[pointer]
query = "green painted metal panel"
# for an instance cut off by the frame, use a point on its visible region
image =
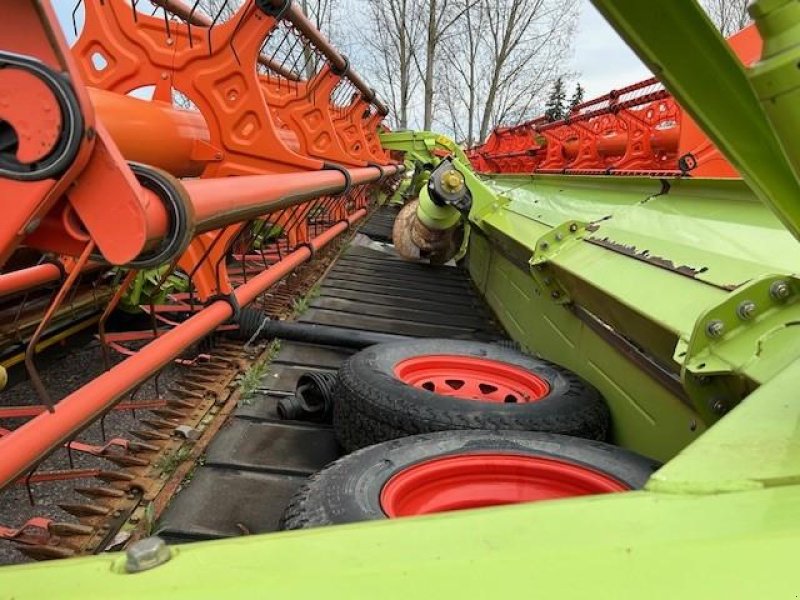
(646, 416)
(666, 255)
(423, 146)
(634, 545)
(719, 228)
(757, 445)
(684, 49)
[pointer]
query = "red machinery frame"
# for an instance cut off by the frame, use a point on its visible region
(636, 130)
(306, 162)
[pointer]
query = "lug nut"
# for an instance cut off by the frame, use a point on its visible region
(715, 328)
(146, 554)
(746, 310)
(780, 290)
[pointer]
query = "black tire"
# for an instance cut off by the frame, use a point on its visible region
(372, 405)
(349, 489)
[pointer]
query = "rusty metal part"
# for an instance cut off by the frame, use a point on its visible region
(413, 240)
(401, 232)
(646, 256)
(129, 499)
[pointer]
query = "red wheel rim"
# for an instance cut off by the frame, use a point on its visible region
(466, 481)
(472, 378)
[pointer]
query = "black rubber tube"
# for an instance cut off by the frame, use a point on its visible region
(256, 324)
(312, 401)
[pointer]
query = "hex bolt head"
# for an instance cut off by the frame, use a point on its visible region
(719, 406)
(559, 237)
(715, 328)
(573, 227)
(146, 554)
(746, 310)
(780, 290)
(544, 245)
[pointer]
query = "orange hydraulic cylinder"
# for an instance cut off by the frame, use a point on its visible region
(155, 133)
(32, 442)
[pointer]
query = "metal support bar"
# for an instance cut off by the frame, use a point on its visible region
(35, 440)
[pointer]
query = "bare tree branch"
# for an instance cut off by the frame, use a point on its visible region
(728, 15)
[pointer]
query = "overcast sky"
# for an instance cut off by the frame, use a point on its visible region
(602, 60)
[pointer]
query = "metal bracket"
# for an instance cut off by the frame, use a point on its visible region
(722, 360)
(547, 247)
(730, 337)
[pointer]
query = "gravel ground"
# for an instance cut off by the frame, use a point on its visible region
(64, 370)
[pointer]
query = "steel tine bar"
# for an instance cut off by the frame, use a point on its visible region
(30, 351)
(112, 305)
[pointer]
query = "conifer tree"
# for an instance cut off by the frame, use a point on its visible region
(555, 108)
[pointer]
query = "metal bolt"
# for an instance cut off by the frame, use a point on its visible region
(555, 294)
(715, 328)
(547, 280)
(780, 290)
(573, 227)
(146, 554)
(746, 310)
(559, 237)
(544, 245)
(719, 406)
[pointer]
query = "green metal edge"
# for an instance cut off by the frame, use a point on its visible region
(634, 545)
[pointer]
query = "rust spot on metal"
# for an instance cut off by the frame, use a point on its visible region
(140, 482)
(46, 552)
(644, 255)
